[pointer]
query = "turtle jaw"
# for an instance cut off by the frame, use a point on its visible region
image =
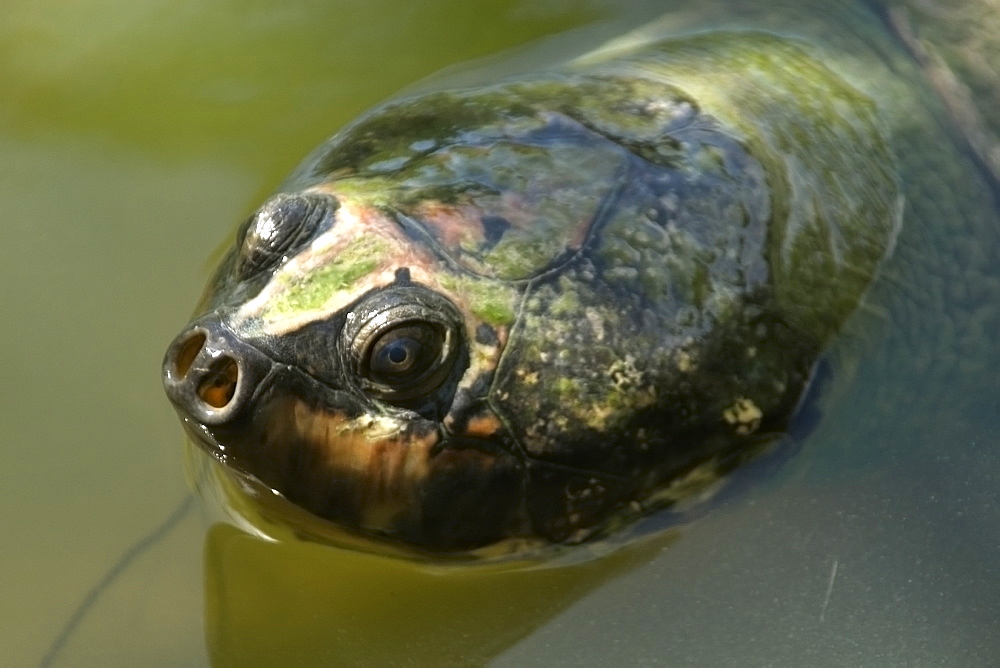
(388, 474)
(397, 477)
(404, 479)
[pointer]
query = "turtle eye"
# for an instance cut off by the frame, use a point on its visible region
(281, 227)
(404, 344)
(407, 358)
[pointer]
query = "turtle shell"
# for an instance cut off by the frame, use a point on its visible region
(529, 309)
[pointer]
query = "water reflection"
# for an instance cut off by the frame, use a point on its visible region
(299, 603)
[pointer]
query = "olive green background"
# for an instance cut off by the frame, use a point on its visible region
(135, 136)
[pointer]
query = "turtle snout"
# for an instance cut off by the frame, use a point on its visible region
(209, 374)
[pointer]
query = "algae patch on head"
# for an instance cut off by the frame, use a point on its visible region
(311, 291)
(525, 253)
(493, 302)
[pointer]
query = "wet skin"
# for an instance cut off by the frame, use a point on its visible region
(533, 308)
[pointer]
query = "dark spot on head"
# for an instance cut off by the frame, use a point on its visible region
(494, 228)
(460, 407)
(469, 410)
(481, 385)
(486, 335)
(463, 410)
(403, 275)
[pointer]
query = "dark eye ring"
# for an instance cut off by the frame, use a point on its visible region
(404, 344)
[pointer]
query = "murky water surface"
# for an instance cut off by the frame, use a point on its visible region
(134, 136)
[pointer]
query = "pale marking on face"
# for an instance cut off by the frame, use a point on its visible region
(744, 415)
(685, 363)
(484, 426)
(357, 220)
(389, 464)
(596, 323)
(455, 226)
(353, 222)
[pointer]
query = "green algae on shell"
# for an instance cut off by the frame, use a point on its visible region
(555, 302)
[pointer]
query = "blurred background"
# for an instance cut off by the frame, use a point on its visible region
(134, 137)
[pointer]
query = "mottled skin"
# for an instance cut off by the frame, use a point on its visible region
(635, 262)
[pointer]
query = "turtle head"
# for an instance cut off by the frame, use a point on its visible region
(336, 364)
(526, 309)
(346, 353)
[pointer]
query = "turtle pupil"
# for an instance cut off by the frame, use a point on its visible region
(397, 354)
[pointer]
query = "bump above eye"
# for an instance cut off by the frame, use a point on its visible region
(281, 227)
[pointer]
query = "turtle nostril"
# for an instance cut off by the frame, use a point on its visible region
(187, 354)
(210, 374)
(218, 386)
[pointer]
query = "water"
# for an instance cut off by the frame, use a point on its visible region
(133, 137)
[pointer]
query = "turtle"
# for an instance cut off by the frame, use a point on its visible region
(536, 309)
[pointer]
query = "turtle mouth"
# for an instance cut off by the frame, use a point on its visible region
(391, 474)
(202, 436)
(446, 485)
(222, 387)
(407, 481)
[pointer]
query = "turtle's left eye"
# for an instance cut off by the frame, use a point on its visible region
(407, 358)
(280, 228)
(404, 344)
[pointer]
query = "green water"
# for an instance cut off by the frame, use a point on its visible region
(133, 136)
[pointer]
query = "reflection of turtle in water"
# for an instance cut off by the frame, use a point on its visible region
(525, 309)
